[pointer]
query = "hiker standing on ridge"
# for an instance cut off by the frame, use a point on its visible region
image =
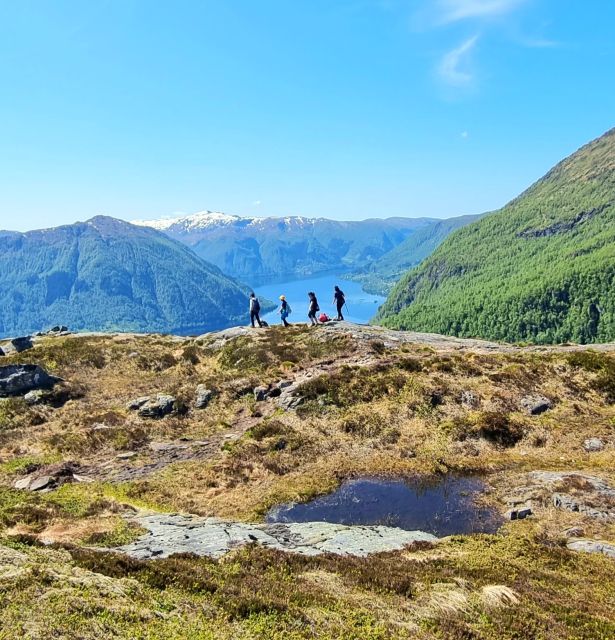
(313, 309)
(284, 311)
(255, 309)
(339, 301)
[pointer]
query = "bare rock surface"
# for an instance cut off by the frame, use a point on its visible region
(19, 379)
(535, 404)
(592, 546)
(169, 534)
(17, 345)
(573, 491)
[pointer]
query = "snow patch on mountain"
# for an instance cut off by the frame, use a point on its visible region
(193, 222)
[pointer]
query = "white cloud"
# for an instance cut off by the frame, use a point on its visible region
(454, 67)
(455, 10)
(256, 203)
(465, 135)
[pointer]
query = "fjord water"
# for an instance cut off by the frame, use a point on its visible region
(442, 506)
(361, 306)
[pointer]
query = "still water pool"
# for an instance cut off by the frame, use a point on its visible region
(360, 306)
(442, 506)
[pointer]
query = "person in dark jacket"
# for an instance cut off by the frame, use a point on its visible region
(313, 308)
(339, 300)
(284, 311)
(255, 309)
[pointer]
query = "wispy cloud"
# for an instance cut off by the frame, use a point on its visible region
(454, 68)
(456, 10)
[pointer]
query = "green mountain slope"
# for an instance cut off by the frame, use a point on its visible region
(541, 269)
(381, 275)
(106, 274)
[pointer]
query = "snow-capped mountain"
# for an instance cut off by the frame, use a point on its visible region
(256, 249)
(188, 223)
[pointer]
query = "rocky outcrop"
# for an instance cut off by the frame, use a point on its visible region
(592, 546)
(17, 345)
(19, 379)
(153, 406)
(586, 494)
(169, 534)
(50, 477)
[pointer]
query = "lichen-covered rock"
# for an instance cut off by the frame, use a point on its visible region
(592, 546)
(535, 404)
(203, 397)
(153, 406)
(157, 407)
(593, 445)
(18, 379)
(169, 534)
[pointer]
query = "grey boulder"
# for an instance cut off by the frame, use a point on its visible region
(203, 396)
(17, 345)
(593, 445)
(19, 379)
(260, 393)
(153, 407)
(535, 404)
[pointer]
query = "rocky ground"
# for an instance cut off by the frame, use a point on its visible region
(118, 452)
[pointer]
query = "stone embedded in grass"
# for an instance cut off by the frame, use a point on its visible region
(469, 400)
(36, 396)
(592, 546)
(203, 397)
(18, 379)
(48, 477)
(126, 455)
(153, 407)
(519, 514)
(593, 445)
(43, 482)
(260, 393)
(535, 404)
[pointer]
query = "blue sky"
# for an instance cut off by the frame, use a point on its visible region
(337, 108)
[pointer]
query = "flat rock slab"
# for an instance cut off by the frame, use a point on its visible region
(169, 534)
(592, 546)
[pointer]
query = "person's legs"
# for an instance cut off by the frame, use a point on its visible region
(252, 315)
(339, 312)
(258, 319)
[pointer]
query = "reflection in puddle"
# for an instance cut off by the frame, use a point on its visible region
(442, 506)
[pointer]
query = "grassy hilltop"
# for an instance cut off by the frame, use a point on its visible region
(542, 269)
(372, 403)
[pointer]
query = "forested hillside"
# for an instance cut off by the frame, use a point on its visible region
(541, 269)
(261, 249)
(381, 275)
(106, 274)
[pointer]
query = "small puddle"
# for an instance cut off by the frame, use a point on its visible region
(442, 506)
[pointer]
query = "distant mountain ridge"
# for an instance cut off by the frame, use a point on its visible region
(106, 274)
(541, 269)
(257, 249)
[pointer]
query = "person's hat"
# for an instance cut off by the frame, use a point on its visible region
(282, 297)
